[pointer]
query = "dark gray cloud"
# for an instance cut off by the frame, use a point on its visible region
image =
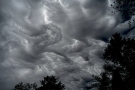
(65, 38)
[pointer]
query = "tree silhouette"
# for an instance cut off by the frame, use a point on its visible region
(120, 51)
(103, 82)
(27, 86)
(119, 57)
(116, 81)
(50, 83)
(126, 9)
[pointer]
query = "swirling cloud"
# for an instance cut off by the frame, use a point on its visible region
(65, 38)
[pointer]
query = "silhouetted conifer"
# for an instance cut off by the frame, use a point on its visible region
(51, 83)
(48, 83)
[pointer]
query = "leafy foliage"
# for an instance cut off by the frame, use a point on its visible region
(27, 86)
(119, 56)
(126, 8)
(103, 82)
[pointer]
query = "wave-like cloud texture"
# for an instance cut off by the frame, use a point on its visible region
(65, 38)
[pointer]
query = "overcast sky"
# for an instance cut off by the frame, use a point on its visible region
(65, 38)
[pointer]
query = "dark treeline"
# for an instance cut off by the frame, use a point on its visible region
(48, 83)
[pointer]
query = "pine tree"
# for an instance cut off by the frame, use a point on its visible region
(50, 83)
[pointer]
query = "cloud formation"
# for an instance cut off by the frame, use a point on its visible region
(65, 38)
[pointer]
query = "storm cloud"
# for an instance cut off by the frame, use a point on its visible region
(65, 38)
